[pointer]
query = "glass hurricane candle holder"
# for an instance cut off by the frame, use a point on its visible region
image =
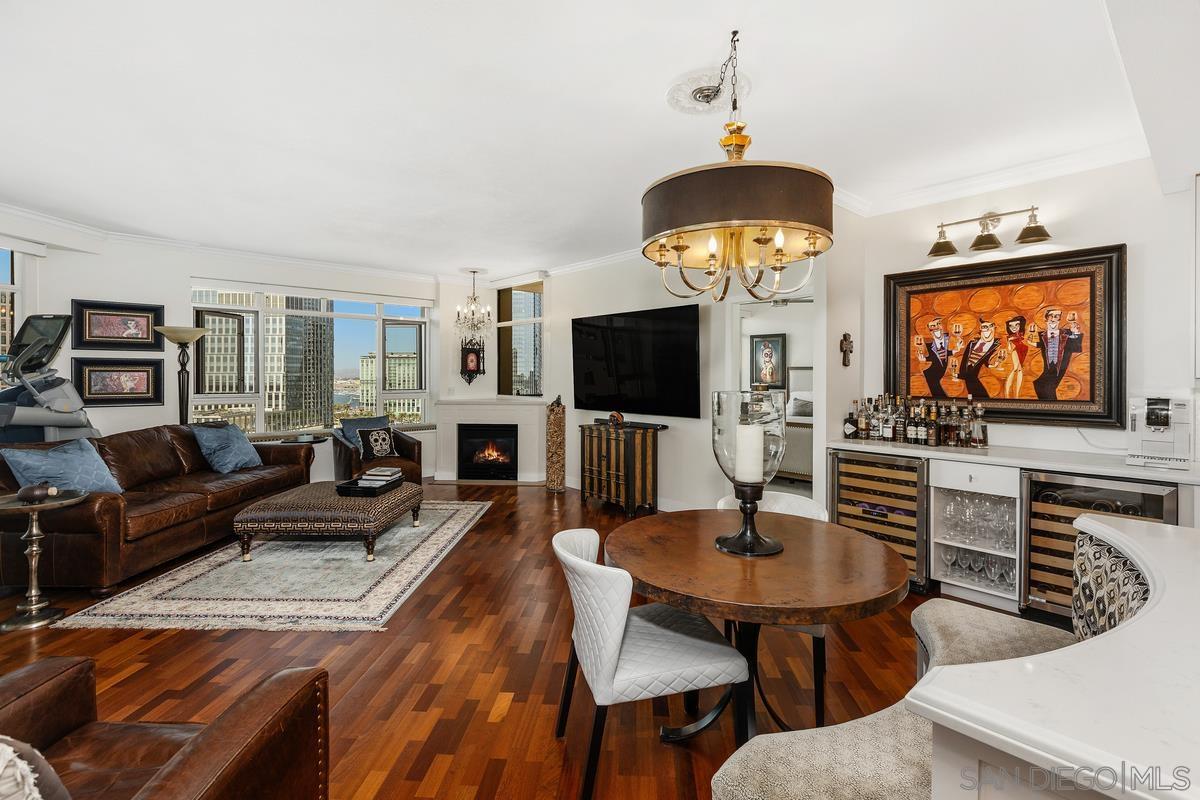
(748, 442)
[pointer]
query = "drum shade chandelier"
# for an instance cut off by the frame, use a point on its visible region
(748, 220)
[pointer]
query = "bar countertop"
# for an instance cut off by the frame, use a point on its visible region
(1073, 462)
(1128, 699)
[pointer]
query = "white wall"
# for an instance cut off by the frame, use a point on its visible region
(1121, 203)
(839, 294)
(796, 320)
(145, 272)
(688, 474)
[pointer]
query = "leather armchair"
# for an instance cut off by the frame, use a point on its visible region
(272, 743)
(348, 464)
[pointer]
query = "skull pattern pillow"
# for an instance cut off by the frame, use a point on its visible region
(377, 443)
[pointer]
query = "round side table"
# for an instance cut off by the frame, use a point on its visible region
(35, 612)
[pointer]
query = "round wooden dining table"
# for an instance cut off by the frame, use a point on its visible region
(826, 574)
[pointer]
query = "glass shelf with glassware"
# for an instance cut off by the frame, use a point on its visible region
(974, 535)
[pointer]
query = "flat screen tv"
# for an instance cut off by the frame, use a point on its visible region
(639, 362)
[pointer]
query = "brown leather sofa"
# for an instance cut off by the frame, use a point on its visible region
(348, 463)
(271, 743)
(173, 504)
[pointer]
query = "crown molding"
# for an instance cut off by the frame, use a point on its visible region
(251, 255)
(851, 202)
(1131, 149)
(592, 263)
(99, 236)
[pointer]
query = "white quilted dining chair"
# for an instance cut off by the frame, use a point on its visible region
(629, 654)
(781, 503)
(798, 506)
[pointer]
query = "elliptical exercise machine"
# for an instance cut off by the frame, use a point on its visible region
(39, 406)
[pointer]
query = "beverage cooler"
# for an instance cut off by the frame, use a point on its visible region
(883, 497)
(1051, 502)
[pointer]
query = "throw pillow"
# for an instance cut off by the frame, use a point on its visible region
(376, 443)
(26, 775)
(74, 465)
(351, 427)
(225, 447)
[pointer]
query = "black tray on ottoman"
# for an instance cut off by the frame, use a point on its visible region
(353, 489)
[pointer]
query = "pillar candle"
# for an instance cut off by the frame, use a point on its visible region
(748, 454)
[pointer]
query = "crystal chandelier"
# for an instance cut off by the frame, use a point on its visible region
(748, 220)
(475, 318)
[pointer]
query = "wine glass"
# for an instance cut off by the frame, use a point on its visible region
(987, 521)
(949, 556)
(992, 568)
(977, 561)
(950, 512)
(964, 563)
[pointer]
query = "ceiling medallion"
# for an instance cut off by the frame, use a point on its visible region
(740, 219)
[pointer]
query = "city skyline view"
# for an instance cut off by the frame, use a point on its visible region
(318, 368)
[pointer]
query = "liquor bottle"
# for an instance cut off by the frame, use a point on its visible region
(876, 420)
(922, 425)
(931, 432)
(864, 426)
(889, 421)
(979, 428)
(910, 428)
(850, 425)
(900, 427)
(964, 428)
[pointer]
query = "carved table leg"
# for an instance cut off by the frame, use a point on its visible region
(416, 512)
(34, 612)
(369, 541)
(245, 541)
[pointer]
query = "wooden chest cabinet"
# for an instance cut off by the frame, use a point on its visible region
(619, 464)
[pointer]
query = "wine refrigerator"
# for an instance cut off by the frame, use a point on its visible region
(884, 497)
(1050, 503)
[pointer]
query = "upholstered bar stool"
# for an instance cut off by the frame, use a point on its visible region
(799, 506)
(887, 755)
(629, 654)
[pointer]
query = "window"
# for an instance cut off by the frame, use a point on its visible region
(317, 355)
(519, 340)
(8, 298)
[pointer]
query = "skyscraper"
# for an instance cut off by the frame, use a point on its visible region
(401, 371)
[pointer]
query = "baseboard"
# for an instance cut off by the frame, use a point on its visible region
(444, 482)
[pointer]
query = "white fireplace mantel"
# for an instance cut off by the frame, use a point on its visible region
(528, 414)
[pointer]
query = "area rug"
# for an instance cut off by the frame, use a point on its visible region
(292, 584)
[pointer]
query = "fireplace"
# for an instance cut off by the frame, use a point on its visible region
(487, 452)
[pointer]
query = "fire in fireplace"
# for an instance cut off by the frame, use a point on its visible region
(487, 452)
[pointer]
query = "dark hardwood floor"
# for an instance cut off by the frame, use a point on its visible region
(457, 699)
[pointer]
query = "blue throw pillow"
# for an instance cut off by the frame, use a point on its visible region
(74, 465)
(226, 447)
(351, 427)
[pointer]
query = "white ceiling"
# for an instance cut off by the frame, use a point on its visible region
(428, 137)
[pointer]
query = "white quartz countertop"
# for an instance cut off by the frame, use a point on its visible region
(1098, 464)
(1126, 699)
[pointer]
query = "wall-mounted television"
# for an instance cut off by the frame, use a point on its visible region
(639, 362)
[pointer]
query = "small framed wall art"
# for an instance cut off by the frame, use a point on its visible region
(768, 360)
(119, 381)
(103, 325)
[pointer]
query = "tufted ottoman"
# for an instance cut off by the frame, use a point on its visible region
(316, 509)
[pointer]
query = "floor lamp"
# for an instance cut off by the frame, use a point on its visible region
(182, 337)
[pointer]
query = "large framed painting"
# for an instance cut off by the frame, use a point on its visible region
(102, 325)
(1039, 339)
(768, 360)
(119, 381)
